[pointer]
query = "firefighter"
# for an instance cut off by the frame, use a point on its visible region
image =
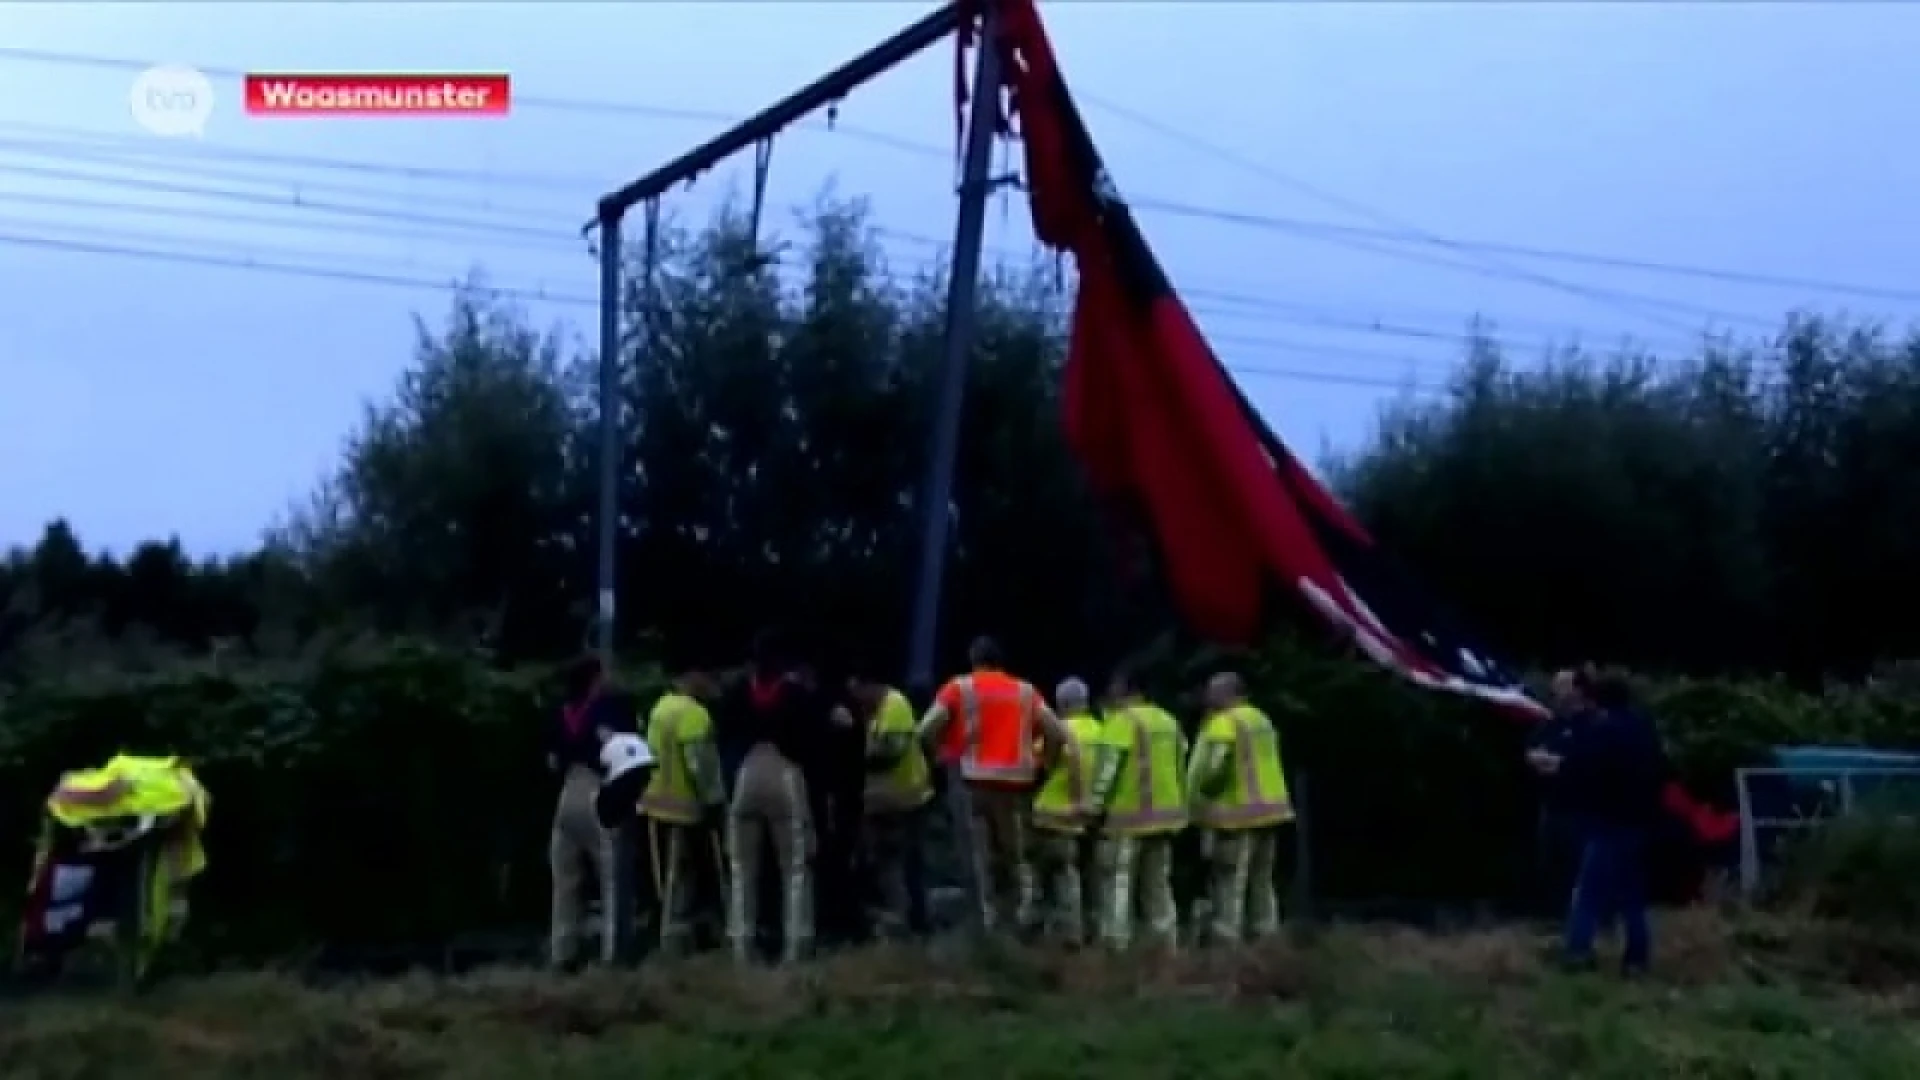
(835, 771)
(1140, 804)
(769, 721)
(987, 724)
(579, 846)
(683, 802)
(1239, 799)
(898, 788)
(1061, 813)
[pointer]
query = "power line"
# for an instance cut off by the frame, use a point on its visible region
(200, 172)
(50, 138)
(401, 225)
(370, 230)
(1650, 266)
(535, 239)
(528, 213)
(1392, 229)
(1609, 297)
(317, 205)
(264, 266)
(1233, 304)
(578, 106)
(557, 297)
(352, 261)
(1323, 231)
(131, 149)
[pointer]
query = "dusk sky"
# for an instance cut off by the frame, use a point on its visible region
(146, 396)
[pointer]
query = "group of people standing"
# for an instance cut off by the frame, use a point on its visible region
(1603, 769)
(782, 791)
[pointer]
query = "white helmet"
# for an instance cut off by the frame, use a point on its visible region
(622, 754)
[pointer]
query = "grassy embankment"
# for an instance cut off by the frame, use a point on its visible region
(1745, 998)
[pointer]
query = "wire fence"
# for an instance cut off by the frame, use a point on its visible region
(1782, 804)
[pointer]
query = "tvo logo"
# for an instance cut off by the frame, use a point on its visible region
(171, 101)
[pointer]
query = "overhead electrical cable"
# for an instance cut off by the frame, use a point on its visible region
(1613, 298)
(558, 297)
(401, 225)
(1390, 227)
(578, 106)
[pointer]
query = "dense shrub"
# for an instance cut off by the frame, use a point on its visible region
(1863, 870)
(395, 794)
(373, 796)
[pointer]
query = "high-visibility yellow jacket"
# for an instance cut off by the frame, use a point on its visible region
(1065, 801)
(1142, 781)
(685, 786)
(1235, 775)
(898, 776)
(133, 786)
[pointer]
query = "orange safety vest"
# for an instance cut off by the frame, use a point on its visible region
(994, 720)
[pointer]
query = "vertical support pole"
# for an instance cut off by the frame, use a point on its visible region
(936, 491)
(616, 924)
(609, 406)
(1749, 835)
(1302, 898)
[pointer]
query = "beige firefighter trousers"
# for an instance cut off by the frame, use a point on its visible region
(1140, 868)
(579, 849)
(1063, 876)
(1002, 825)
(769, 811)
(1240, 888)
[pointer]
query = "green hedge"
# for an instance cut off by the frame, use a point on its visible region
(396, 796)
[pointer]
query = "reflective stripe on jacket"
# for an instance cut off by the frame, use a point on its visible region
(1237, 778)
(1066, 798)
(1149, 791)
(906, 783)
(994, 722)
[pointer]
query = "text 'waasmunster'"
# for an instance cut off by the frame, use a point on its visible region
(417, 94)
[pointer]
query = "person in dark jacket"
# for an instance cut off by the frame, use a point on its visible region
(1612, 771)
(835, 770)
(579, 846)
(768, 726)
(1559, 838)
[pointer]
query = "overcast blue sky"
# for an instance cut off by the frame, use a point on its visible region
(142, 397)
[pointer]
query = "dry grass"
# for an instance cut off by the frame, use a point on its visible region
(1733, 998)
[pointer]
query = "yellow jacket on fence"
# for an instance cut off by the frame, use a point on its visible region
(1142, 781)
(685, 786)
(1065, 801)
(898, 776)
(1235, 775)
(131, 786)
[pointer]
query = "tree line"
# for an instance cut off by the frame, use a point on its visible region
(1744, 508)
(1733, 519)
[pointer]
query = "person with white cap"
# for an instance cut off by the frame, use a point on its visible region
(591, 836)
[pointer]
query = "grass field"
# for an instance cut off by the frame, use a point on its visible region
(1749, 998)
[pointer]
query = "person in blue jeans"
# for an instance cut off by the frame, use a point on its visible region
(1559, 837)
(1612, 771)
